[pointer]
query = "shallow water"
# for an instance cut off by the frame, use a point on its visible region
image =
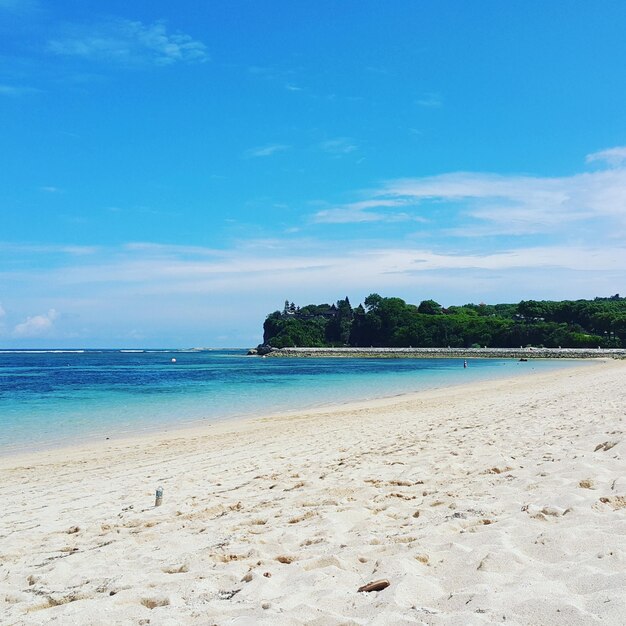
(54, 398)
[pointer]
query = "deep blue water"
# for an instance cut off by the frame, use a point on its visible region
(55, 398)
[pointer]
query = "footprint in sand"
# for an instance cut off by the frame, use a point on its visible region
(176, 569)
(607, 445)
(614, 502)
(153, 603)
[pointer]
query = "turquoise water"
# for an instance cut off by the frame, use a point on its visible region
(54, 398)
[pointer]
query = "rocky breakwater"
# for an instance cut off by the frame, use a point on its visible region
(261, 350)
(444, 353)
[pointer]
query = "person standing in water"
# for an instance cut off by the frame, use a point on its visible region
(464, 364)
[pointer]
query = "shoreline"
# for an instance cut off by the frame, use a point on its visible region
(450, 353)
(486, 501)
(200, 425)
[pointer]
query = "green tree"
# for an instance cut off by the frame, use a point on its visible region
(429, 307)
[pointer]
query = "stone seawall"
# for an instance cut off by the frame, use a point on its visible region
(461, 353)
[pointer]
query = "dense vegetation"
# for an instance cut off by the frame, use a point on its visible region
(391, 322)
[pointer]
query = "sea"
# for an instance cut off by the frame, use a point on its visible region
(55, 398)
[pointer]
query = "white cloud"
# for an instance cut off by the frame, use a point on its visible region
(355, 212)
(267, 72)
(15, 91)
(196, 290)
(339, 146)
(257, 266)
(129, 43)
(265, 151)
(36, 326)
(612, 156)
(473, 204)
(15, 248)
(202, 292)
(430, 100)
(521, 204)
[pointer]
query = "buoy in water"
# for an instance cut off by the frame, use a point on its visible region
(173, 360)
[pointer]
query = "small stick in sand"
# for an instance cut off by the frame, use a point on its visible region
(159, 497)
(376, 585)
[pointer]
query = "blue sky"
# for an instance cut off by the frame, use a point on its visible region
(170, 174)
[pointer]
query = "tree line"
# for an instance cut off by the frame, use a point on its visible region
(392, 322)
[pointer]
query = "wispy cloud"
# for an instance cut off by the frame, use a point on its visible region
(264, 266)
(430, 100)
(169, 290)
(265, 151)
(27, 248)
(471, 204)
(17, 90)
(36, 326)
(129, 43)
(612, 156)
(169, 249)
(182, 290)
(520, 204)
(271, 73)
(355, 212)
(339, 146)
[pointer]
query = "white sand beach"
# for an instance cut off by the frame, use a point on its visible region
(500, 502)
